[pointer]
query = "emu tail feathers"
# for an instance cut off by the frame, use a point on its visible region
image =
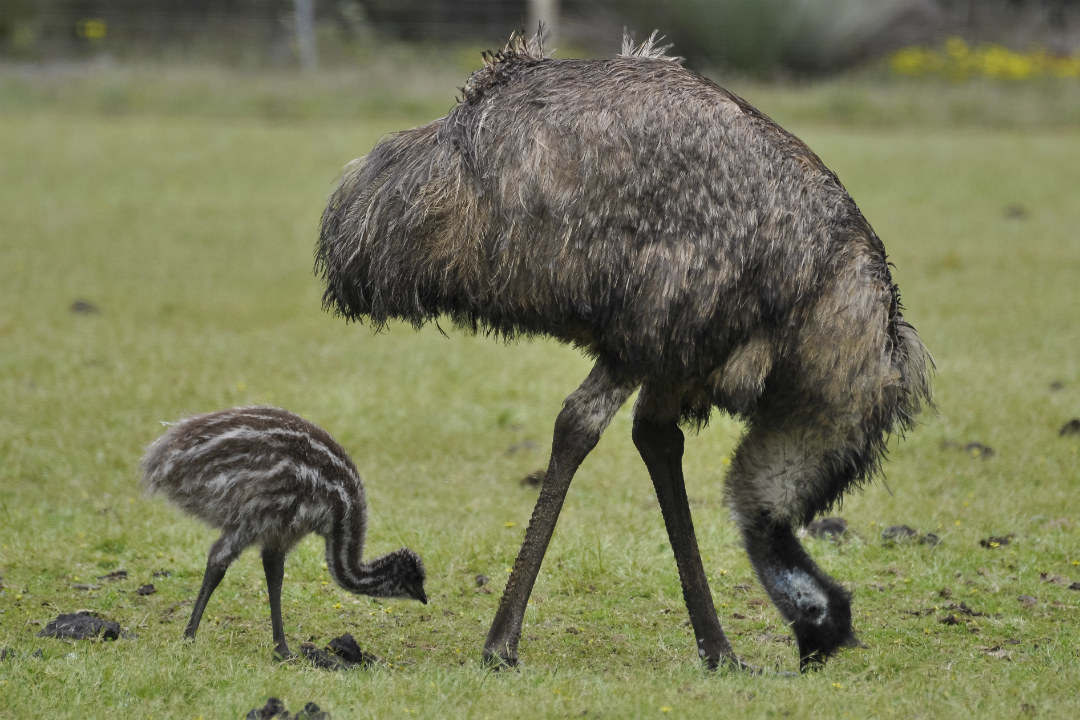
(914, 365)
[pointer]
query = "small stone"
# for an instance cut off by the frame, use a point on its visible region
(898, 533)
(272, 708)
(1016, 211)
(342, 653)
(832, 528)
(534, 479)
(114, 575)
(312, 711)
(996, 541)
(977, 449)
(84, 307)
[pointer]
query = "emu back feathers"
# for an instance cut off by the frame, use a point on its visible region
(635, 209)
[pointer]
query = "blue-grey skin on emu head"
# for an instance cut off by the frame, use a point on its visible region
(700, 254)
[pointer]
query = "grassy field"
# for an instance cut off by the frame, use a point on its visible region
(155, 260)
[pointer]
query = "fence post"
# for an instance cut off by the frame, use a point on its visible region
(547, 12)
(305, 33)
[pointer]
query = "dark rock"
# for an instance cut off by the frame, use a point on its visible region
(81, 626)
(963, 609)
(272, 708)
(343, 653)
(832, 528)
(146, 590)
(898, 533)
(903, 533)
(346, 648)
(114, 575)
(1070, 428)
(84, 307)
(995, 541)
(534, 479)
(524, 445)
(312, 711)
(1016, 211)
(482, 580)
(320, 658)
(1053, 579)
(974, 449)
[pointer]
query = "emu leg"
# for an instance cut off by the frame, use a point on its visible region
(218, 560)
(585, 414)
(661, 447)
(274, 567)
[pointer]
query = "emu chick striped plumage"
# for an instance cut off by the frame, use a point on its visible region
(266, 476)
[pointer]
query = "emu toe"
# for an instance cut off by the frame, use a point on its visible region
(496, 660)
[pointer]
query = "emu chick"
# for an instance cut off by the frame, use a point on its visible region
(266, 476)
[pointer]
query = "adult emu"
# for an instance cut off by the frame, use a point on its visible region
(698, 252)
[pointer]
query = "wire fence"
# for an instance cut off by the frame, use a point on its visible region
(815, 35)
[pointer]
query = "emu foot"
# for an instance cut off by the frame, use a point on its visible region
(734, 663)
(500, 660)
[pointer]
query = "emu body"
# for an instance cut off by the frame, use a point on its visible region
(266, 476)
(697, 251)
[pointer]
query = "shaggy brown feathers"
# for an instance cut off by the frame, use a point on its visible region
(688, 244)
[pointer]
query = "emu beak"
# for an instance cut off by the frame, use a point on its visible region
(417, 591)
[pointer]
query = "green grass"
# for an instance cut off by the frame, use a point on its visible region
(191, 231)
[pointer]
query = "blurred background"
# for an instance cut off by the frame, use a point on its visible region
(763, 38)
(163, 168)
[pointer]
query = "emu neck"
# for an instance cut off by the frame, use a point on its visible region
(785, 570)
(344, 552)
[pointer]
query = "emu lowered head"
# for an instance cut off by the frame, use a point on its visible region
(818, 610)
(399, 574)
